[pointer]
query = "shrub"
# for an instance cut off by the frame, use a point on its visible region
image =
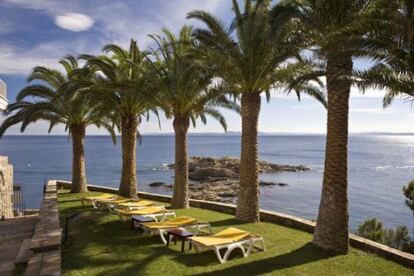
(399, 238)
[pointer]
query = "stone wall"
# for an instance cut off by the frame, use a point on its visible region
(47, 238)
(363, 244)
(6, 188)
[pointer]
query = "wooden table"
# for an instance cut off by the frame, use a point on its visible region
(139, 219)
(180, 234)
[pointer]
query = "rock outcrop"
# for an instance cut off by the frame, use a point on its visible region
(217, 179)
(212, 169)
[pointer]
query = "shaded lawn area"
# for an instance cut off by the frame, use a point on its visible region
(101, 244)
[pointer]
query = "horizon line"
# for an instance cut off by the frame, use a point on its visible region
(236, 133)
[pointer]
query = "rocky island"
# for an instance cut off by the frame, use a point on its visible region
(217, 179)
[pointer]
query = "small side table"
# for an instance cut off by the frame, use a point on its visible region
(139, 219)
(181, 234)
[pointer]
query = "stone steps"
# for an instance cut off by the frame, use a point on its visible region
(15, 237)
(46, 263)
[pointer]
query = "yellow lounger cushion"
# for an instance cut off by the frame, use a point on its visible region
(141, 203)
(144, 211)
(116, 199)
(226, 236)
(175, 222)
(101, 196)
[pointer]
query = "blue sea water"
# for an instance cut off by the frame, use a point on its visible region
(379, 166)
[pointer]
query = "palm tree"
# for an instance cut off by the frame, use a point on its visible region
(122, 90)
(336, 32)
(248, 62)
(185, 94)
(45, 101)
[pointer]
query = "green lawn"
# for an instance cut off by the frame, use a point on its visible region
(102, 244)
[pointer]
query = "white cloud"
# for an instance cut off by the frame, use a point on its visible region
(118, 23)
(74, 22)
(14, 60)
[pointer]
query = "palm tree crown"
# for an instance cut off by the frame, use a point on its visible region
(394, 45)
(47, 101)
(184, 81)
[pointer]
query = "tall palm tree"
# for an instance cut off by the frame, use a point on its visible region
(185, 94)
(44, 101)
(122, 90)
(248, 61)
(335, 31)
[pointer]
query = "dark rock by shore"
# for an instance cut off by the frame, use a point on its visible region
(217, 179)
(210, 169)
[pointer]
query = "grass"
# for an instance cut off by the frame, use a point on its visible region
(102, 244)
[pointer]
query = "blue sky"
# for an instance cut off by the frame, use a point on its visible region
(39, 32)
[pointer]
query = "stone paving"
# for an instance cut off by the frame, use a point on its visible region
(13, 234)
(33, 240)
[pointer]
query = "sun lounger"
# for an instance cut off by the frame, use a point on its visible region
(187, 223)
(110, 202)
(158, 213)
(229, 239)
(130, 205)
(92, 199)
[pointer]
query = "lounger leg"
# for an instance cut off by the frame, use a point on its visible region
(249, 248)
(196, 247)
(163, 217)
(220, 259)
(161, 232)
(263, 244)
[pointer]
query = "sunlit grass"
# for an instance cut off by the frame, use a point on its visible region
(102, 244)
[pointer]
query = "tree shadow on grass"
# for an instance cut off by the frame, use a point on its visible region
(306, 254)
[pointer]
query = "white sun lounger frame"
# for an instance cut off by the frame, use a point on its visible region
(246, 246)
(93, 201)
(112, 207)
(158, 217)
(198, 226)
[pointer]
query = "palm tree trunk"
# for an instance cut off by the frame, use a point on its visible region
(129, 131)
(331, 231)
(180, 197)
(248, 196)
(78, 159)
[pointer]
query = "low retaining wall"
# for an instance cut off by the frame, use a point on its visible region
(47, 238)
(395, 255)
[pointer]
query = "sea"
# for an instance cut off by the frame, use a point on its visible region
(379, 166)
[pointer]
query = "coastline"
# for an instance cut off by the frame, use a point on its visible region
(375, 182)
